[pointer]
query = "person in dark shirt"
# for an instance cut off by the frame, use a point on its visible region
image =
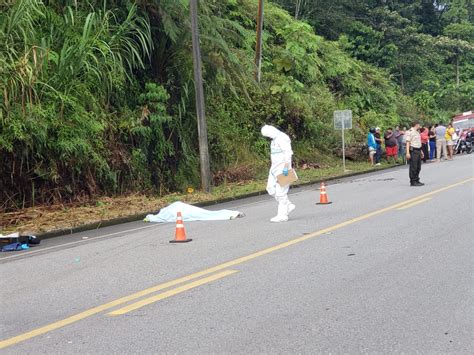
(432, 136)
(378, 141)
(391, 146)
(424, 133)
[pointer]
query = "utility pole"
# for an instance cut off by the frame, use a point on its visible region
(200, 108)
(258, 47)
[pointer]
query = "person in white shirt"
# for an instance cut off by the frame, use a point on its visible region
(441, 147)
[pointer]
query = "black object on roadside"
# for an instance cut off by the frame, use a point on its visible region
(33, 240)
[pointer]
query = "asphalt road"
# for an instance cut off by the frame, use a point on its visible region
(386, 268)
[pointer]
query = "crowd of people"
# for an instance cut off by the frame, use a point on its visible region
(437, 142)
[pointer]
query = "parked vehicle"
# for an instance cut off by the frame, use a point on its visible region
(464, 143)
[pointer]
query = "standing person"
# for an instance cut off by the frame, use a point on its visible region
(400, 135)
(378, 141)
(432, 138)
(414, 153)
(281, 155)
(424, 133)
(404, 145)
(441, 142)
(391, 146)
(397, 137)
(372, 145)
(449, 141)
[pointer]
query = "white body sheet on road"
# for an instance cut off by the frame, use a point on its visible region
(190, 214)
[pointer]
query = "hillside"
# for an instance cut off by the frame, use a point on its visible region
(99, 100)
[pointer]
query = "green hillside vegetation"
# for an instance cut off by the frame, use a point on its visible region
(97, 97)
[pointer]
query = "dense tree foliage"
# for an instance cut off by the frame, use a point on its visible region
(97, 96)
(427, 46)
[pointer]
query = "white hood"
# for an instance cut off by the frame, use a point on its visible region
(270, 132)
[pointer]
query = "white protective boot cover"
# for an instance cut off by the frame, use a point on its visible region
(290, 207)
(282, 215)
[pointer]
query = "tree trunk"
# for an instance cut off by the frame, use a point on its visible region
(457, 72)
(258, 47)
(298, 9)
(402, 79)
(200, 108)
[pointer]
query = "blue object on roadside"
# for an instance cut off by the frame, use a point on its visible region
(15, 247)
(12, 247)
(285, 171)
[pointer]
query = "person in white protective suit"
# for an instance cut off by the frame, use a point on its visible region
(281, 155)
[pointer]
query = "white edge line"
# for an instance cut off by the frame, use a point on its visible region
(76, 242)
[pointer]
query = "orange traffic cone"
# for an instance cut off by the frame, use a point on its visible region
(180, 236)
(323, 198)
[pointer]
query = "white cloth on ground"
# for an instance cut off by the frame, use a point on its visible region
(191, 213)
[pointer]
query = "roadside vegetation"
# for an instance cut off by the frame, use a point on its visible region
(46, 218)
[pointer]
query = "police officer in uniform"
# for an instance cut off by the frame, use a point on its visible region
(414, 153)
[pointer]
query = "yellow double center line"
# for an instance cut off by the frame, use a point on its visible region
(408, 205)
(172, 292)
(220, 267)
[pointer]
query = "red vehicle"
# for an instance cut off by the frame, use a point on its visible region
(464, 121)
